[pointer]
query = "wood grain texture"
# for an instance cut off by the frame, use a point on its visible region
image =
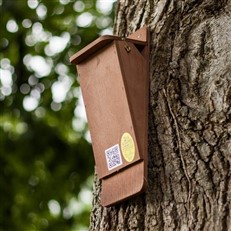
(189, 118)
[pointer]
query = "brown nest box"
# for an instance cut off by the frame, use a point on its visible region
(113, 75)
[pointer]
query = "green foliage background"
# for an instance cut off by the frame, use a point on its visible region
(46, 161)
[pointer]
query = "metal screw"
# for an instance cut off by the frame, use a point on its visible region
(127, 48)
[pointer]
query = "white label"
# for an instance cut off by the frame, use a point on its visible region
(113, 157)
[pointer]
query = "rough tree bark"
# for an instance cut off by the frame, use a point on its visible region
(189, 118)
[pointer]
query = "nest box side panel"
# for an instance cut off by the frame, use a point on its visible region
(107, 108)
(132, 180)
(134, 69)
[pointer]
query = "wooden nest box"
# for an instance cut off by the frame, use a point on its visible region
(113, 75)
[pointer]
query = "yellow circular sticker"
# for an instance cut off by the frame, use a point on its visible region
(127, 147)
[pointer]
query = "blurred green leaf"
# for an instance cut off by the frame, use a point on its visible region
(45, 153)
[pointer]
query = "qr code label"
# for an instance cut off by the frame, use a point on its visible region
(113, 157)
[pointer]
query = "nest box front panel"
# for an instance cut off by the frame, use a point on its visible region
(108, 112)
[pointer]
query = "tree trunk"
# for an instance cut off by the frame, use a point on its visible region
(189, 177)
